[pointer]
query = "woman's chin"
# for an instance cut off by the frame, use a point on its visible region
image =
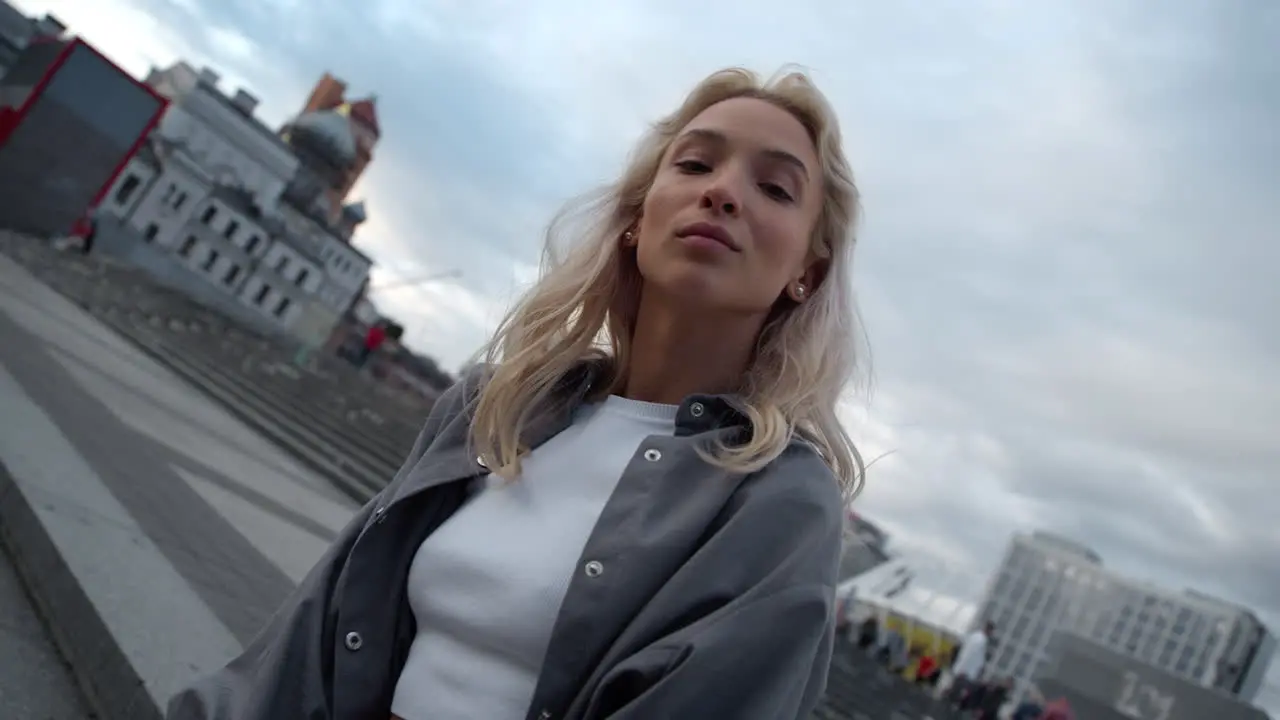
(697, 287)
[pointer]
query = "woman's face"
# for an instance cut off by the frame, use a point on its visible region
(728, 220)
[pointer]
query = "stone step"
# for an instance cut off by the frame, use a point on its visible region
(97, 285)
(331, 393)
(351, 446)
(390, 438)
(376, 448)
(357, 482)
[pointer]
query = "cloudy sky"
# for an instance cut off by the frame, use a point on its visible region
(1067, 267)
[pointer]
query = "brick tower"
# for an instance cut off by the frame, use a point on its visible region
(329, 93)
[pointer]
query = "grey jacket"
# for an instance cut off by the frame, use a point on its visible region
(703, 594)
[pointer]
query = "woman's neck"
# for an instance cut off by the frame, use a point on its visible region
(676, 352)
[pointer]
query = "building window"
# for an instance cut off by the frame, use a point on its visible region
(187, 246)
(302, 277)
(210, 260)
(127, 189)
(281, 263)
(252, 244)
(232, 273)
(261, 297)
(151, 232)
(282, 306)
(180, 201)
(209, 213)
(230, 232)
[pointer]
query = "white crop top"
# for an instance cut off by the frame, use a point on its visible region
(486, 587)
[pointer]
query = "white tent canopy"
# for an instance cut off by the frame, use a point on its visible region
(902, 587)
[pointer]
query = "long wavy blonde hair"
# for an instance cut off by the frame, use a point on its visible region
(585, 303)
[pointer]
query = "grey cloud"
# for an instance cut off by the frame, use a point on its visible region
(1188, 244)
(464, 137)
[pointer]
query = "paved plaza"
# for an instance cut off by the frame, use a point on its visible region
(159, 531)
(338, 421)
(35, 683)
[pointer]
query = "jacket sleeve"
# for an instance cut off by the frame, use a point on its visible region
(252, 686)
(766, 659)
(763, 654)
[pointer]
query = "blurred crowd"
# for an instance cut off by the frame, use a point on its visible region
(955, 674)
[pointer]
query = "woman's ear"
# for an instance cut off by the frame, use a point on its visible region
(807, 283)
(631, 236)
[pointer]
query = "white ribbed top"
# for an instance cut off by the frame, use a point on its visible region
(487, 586)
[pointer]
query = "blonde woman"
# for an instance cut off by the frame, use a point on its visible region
(634, 509)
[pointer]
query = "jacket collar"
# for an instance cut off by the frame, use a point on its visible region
(698, 413)
(451, 458)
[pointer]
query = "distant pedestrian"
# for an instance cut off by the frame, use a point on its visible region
(635, 509)
(1027, 710)
(90, 233)
(1058, 710)
(927, 670)
(994, 696)
(970, 662)
(869, 633)
(372, 341)
(1031, 706)
(81, 237)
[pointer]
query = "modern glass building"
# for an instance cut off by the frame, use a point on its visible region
(1047, 583)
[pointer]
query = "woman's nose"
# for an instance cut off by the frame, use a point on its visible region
(719, 197)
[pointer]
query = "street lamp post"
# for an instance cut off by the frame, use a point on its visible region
(419, 281)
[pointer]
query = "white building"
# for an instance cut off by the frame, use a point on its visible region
(345, 268)
(365, 312)
(222, 134)
(241, 249)
(218, 189)
(1046, 582)
(158, 191)
(171, 202)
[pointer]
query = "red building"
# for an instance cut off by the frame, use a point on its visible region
(329, 94)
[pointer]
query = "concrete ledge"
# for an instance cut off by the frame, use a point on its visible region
(105, 676)
(128, 624)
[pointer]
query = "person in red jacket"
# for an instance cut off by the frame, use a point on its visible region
(1058, 710)
(372, 341)
(927, 671)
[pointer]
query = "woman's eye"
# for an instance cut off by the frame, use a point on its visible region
(777, 192)
(694, 166)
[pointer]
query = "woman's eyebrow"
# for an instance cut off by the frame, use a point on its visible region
(719, 139)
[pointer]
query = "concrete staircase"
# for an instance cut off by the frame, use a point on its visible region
(345, 425)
